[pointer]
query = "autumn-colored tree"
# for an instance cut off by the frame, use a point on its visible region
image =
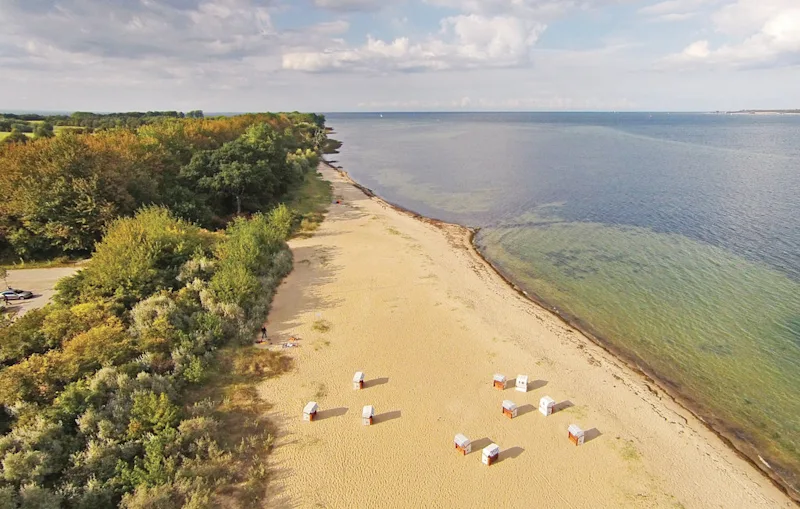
(59, 193)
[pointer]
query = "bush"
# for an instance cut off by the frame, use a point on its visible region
(151, 413)
(163, 496)
(33, 496)
(24, 338)
(138, 257)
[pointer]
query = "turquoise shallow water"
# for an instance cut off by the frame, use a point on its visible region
(673, 238)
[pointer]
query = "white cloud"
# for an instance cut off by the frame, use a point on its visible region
(676, 10)
(745, 17)
(228, 55)
(192, 30)
(463, 42)
(487, 34)
(352, 5)
(697, 49)
(541, 9)
(772, 36)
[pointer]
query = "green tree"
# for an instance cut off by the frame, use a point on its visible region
(37, 497)
(151, 413)
(16, 136)
(234, 171)
(9, 498)
(24, 338)
(235, 178)
(249, 173)
(138, 256)
(246, 253)
(43, 130)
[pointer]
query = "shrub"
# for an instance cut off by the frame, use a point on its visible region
(139, 256)
(151, 413)
(24, 338)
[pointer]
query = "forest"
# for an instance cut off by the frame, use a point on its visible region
(136, 386)
(27, 123)
(57, 194)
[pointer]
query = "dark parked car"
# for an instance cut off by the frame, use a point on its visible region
(12, 294)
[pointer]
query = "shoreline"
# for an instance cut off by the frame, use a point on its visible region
(635, 365)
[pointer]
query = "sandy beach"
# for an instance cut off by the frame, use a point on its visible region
(411, 304)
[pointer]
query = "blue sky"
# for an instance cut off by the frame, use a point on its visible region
(400, 55)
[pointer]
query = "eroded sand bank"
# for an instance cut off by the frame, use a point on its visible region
(413, 306)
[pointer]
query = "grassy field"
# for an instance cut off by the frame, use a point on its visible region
(4, 134)
(59, 129)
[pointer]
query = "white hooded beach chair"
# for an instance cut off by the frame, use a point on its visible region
(546, 405)
(490, 454)
(522, 383)
(367, 414)
(358, 380)
(509, 409)
(310, 411)
(462, 444)
(575, 434)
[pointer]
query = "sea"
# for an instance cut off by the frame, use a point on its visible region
(671, 238)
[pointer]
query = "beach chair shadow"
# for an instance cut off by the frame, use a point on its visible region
(525, 409)
(562, 406)
(536, 384)
(478, 445)
(386, 416)
(511, 453)
(591, 434)
(333, 412)
(375, 382)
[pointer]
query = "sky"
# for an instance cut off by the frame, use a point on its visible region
(399, 55)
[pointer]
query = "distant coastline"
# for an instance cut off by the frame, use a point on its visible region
(762, 112)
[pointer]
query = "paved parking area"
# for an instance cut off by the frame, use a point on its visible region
(38, 281)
